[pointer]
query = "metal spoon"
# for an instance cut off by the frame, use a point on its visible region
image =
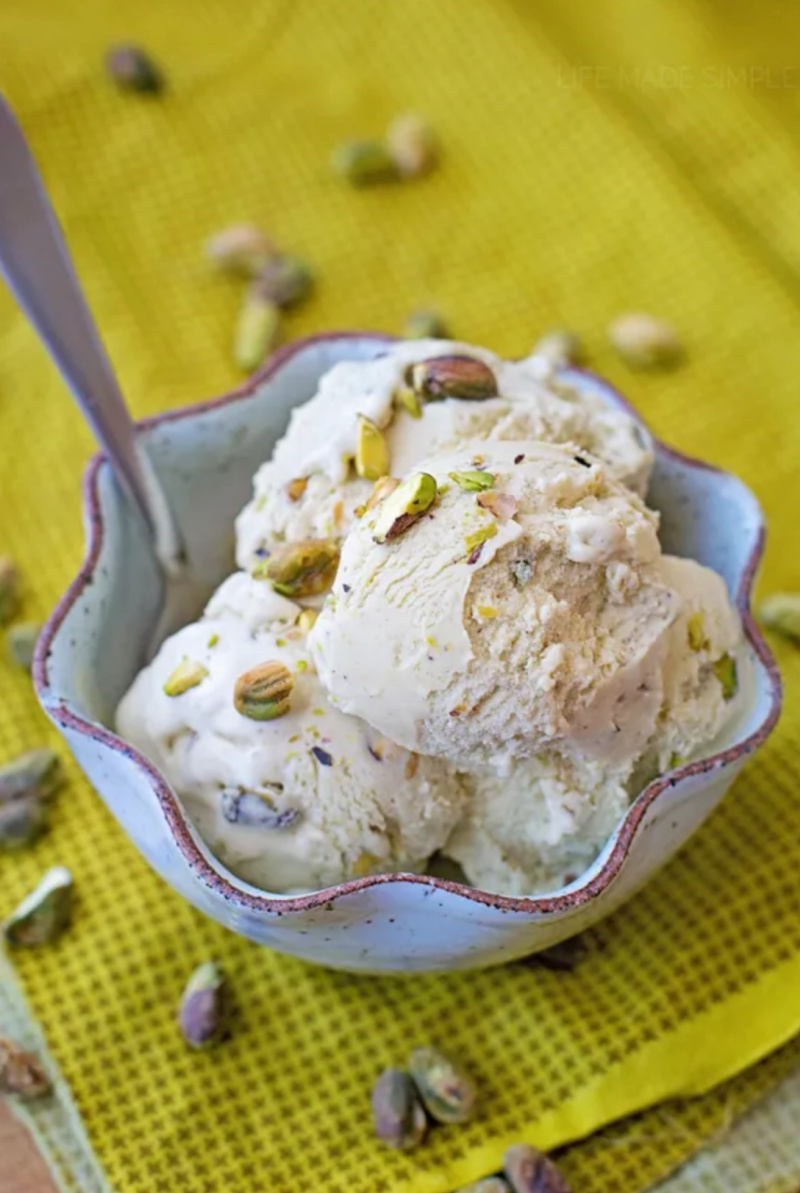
(36, 265)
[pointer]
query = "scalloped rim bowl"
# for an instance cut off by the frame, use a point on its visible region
(92, 646)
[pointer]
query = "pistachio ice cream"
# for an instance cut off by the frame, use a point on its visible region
(287, 791)
(322, 469)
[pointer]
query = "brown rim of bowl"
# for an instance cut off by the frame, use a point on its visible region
(178, 823)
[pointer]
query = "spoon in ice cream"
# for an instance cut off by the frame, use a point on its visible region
(37, 268)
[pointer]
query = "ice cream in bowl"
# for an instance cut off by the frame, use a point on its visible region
(476, 660)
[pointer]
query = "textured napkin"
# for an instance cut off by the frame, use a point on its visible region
(555, 204)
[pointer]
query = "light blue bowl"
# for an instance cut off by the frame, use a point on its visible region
(95, 641)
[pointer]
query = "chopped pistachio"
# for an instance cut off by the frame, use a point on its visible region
(22, 821)
(487, 611)
(726, 673)
(383, 487)
(21, 642)
(201, 1017)
(413, 145)
(781, 612)
(364, 864)
(406, 397)
(243, 249)
(264, 692)
(306, 619)
(304, 568)
(284, 280)
(502, 505)
(256, 330)
(301, 665)
(213, 640)
(644, 342)
(404, 506)
(473, 482)
(676, 760)
(364, 162)
(425, 325)
(185, 676)
(479, 537)
(695, 632)
(372, 452)
(296, 488)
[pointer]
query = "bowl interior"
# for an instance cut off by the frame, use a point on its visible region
(206, 458)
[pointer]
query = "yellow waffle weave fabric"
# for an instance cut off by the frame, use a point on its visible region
(568, 192)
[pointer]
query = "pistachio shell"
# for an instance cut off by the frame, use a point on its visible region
(36, 773)
(21, 1074)
(264, 693)
(781, 612)
(372, 452)
(413, 145)
(462, 377)
(22, 821)
(364, 162)
(185, 676)
(644, 342)
(134, 70)
(201, 1016)
(243, 249)
(726, 672)
(285, 281)
(446, 1091)
(559, 346)
(301, 569)
(404, 506)
(397, 1111)
(45, 913)
(531, 1171)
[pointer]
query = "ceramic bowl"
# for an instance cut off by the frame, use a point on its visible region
(94, 644)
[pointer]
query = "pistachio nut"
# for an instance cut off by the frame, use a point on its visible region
(413, 145)
(21, 822)
(489, 1184)
(480, 536)
(301, 569)
(364, 162)
(560, 347)
(254, 810)
(502, 505)
(285, 280)
(306, 620)
(21, 642)
(296, 488)
(201, 1016)
(405, 397)
(425, 324)
(43, 914)
(383, 487)
(372, 452)
(264, 693)
(726, 673)
(185, 676)
(9, 589)
(397, 1112)
(696, 633)
(531, 1171)
(446, 1091)
(134, 70)
(462, 377)
(256, 329)
(472, 482)
(644, 342)
(242, 249)
(403, 507)
(21, 1074)
(37, 773)
(781, 612)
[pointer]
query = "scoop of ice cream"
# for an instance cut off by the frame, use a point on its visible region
(310, 489)
(538, 827)
(543, 823)
(519, 613)
(302, 801)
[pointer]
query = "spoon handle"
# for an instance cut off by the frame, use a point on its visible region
(36, 265)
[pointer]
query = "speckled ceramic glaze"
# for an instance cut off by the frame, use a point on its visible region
(94, 643)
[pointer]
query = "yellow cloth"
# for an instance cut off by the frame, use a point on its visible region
(559, 202)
